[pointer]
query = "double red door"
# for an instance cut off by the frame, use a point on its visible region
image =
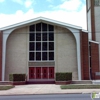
(41, 72)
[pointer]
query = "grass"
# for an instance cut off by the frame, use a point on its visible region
(80, 86)
(6, 87)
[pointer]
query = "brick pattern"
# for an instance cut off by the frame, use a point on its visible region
(84, 55)
(1, 34)
(97, 77)
(92, 20)
(94, 59)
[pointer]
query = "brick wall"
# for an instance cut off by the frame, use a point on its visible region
(94, 59)
(1, 55)
(84, 55)
(93, 20)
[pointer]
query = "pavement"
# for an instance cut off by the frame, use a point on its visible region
(43, 89)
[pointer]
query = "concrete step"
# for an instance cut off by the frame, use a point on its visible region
(40, 82)
(5, 83)
(96, 82)
(82, 82)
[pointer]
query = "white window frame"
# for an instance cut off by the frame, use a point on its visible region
(48, 32)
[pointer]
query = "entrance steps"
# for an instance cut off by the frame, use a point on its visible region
(5, 83)
(40, 82)
(82, 82)
(96, 81)
(53, 82)
(27, 82)
(12, 83)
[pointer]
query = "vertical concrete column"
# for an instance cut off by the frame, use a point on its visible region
(5, 36)
(76, 34)
(6, 33)
(1, 33)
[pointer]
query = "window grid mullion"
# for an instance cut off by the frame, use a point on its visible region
(41, 50)
(41, 41)
(48, 42)
(35, 45)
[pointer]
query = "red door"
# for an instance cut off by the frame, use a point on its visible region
(45, 72)
(38, 73)
(41, 72)
(31, 73)
(51, 72)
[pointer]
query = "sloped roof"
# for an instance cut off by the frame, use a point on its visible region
(39, 19)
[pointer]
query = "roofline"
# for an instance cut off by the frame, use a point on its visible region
(84, 30)
(94, 41)
(39, 19)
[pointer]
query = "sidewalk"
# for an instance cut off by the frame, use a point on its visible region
(43, 89)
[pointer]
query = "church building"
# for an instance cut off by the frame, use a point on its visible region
(41, 47)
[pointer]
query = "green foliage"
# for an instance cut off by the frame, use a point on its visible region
(76, 86)
(17, 77)
(5, 87)
(63, 76)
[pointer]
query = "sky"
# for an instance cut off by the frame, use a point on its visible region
(68, 11)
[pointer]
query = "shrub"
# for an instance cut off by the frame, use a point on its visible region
(6, 87)
(17, 77)
(61, 76)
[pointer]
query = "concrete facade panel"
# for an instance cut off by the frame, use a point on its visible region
(1, 55)
(16, 56)
(97, 23)
(89, 24)
(65, 52)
